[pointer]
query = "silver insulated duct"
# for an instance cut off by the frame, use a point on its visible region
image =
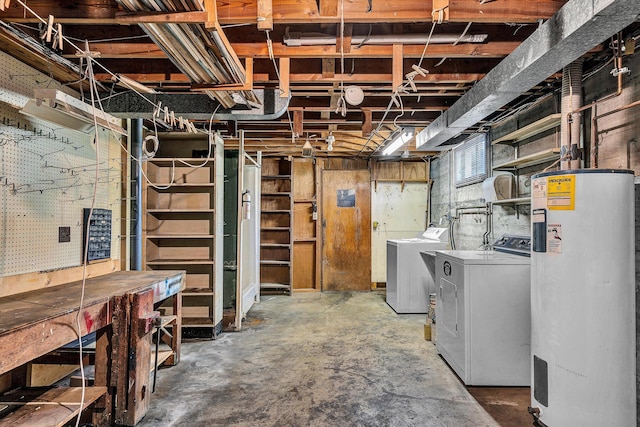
(570, 123)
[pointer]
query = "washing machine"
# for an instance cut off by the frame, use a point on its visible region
(483, 312)
(408, 281)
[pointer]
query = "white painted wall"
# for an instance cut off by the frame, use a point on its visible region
(399, 213)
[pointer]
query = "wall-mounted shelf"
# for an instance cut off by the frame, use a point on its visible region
(539, 126)
(530, 160)
(402, 172)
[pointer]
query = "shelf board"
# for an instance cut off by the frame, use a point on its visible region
(530, 160)
(274, 228)
(191, 160)
(275, 245)
(530, 130)
(197, 292)
(197, 322)
(179, 236)
(516, 201)
(276, 176)
(304, 200)
(274, 262)
(163, 355)
(425, 180)
(305, 240)
(180, 262)
(270, 211)
(181, 185)
(180, 211)
(279, 193)
(274, 286)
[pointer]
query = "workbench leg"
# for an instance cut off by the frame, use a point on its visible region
(120, 356)
(103, 408)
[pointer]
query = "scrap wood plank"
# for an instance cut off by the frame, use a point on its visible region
(55, 407)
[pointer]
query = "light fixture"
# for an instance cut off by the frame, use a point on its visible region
(398, 140)
(131, 84)
(57, 107)
(307, 149)
(330, 140)
(353, 95)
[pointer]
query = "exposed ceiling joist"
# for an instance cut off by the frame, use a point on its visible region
(570, 33)
(261, 51)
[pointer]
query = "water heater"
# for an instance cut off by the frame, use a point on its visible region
(583, 298)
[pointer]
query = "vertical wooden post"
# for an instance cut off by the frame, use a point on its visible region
(397, 65)
(298, 126)
(441, 6)
(285, 66)
(265, 15)
(102, 377)
(367, 123)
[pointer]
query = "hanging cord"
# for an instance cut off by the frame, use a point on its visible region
(275, 67)
(93, 93)
(397, 92)
(341, 105)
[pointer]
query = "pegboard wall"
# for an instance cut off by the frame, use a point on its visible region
(47, 177)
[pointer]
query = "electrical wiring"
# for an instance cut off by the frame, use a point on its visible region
(93, 91)
(396, 96)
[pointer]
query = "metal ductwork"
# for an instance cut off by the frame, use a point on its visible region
(321, 39)
(570, 123)
(575, 29)
(193, 106)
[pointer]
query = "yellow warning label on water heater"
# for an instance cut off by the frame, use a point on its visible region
(561, 192)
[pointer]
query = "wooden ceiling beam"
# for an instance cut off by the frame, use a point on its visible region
(297, 11)
(263, 78)
(260, 51)
(302, 11)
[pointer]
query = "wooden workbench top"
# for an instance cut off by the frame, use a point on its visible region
(36, 322)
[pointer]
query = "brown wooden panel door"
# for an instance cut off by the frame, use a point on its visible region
(346, 210)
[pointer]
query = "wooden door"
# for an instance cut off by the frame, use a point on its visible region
(346, 210)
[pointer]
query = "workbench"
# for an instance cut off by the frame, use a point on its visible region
(119, 308)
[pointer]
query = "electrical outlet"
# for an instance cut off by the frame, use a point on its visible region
(64, 234)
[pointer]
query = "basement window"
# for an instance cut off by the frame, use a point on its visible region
(470, 160)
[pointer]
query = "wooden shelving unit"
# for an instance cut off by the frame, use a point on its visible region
(402, 172)
(183, 226)
(276, 217)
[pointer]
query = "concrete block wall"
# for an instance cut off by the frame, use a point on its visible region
(618, 140)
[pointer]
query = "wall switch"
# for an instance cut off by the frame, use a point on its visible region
(64, 234)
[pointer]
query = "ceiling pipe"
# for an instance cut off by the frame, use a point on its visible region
(320, 39)
(570, 123)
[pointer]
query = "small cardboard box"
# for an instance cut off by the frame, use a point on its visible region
(427, 331)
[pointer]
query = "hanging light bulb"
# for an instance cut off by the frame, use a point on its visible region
(330, 140)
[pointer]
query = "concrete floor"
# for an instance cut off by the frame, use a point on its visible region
(315, 359)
